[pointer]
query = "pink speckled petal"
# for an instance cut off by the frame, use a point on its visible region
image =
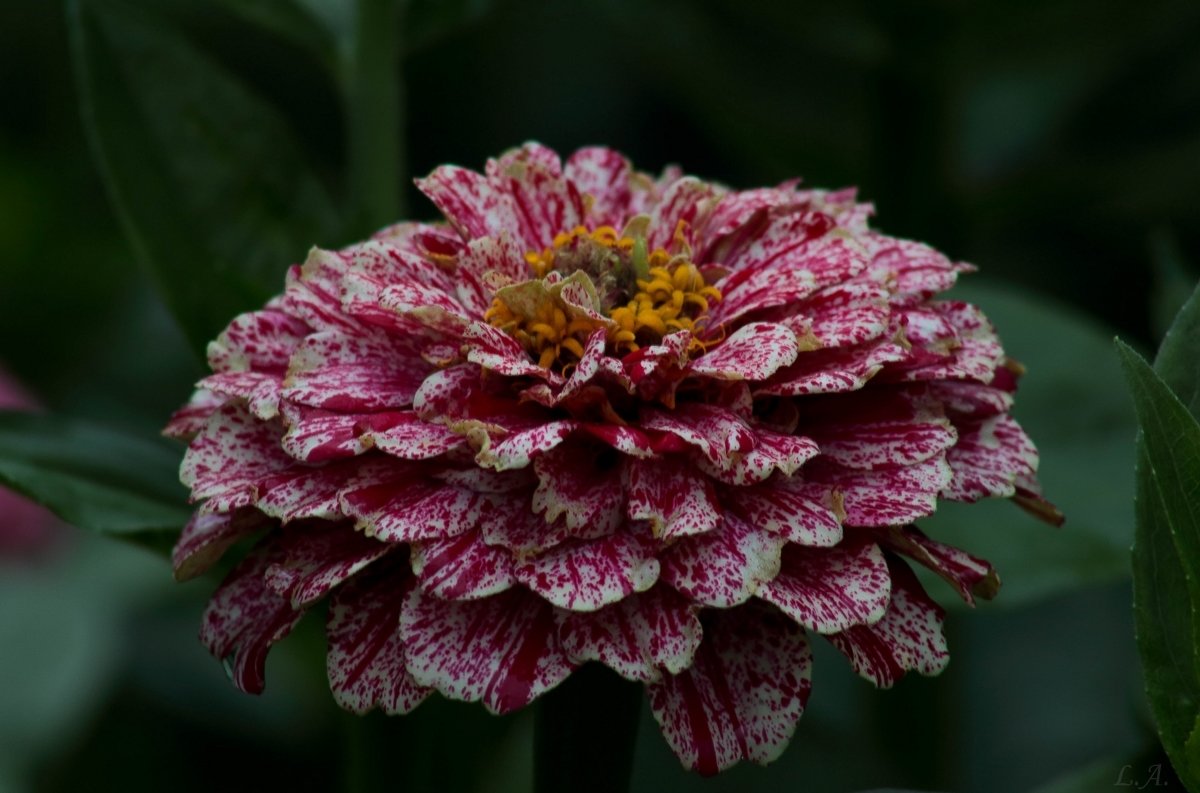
(487, 264)
(317, 436)
(715, 432)
(877, 428)
(318, 556)
(753, 352)
(988, 458)
(578, 484)
(305, 491)
(795, 276)
(365, 372)
(495, 350)
(187, 422)
(907, 638)
(885, 496)
(972, 353)
(462, 567)
(734, 212)
(919, 271)
(314, 292)
(771, 241)
(834, 370)
(233, 452)
(405, 435)
(244, 618)
(511, 523)
(584, 575)
(206, 537)
(772, 452)
(545, 203)
(676, 499)
(742, 697)
(261, 391)
(970, 576)
(641, 637)
(602, 175)
(686, 201)
(802, 513)
(503, 650)
(403, 507)
(366, 658)
(518, 449)
(474, 206)
(257, 341)
(846, 314)
(831, 589)
(724, 567)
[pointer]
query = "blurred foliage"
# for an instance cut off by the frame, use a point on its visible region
(1056, 144)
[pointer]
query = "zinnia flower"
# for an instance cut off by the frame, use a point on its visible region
(598, 416)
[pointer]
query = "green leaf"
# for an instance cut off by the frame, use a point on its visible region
(428, 21)
(1178, 360)
(212, 191)
(1166, 559)
(93, 477)
(315, 27)
(1072, 403)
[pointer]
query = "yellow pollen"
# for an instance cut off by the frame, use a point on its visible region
(550, 336)
(607, 236)
(667, 300)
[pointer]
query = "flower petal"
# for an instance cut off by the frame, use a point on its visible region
(226, 460)
(602, 175)
(639, 637)
(474, 206)
(754, 352)
(724, 567)
(206, 537)
(581, 486)
(317, 557)
(366, 659)
(584, 575)
(876, 427)
(970, 576)
(462, 567)
(257, 341)
(364, 372)
(717, 433)
(261, 391)
(545, 202)
(743, 695)
(772, 452)
(884, 496)
(403, 507)
(988, 458)
(677, 500)
(502, 650)
(244, 618)
(802, 513)
(834, 370)
(908, 637)
(830, 590)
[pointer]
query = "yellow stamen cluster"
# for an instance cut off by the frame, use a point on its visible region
(607, 236)
(670, 299)
(549, 336)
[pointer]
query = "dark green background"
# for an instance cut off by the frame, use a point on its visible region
(1055, 144)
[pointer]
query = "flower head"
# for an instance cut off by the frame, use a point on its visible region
(597, 416)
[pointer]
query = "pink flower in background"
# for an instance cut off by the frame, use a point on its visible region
(599, 416)
(25, 528)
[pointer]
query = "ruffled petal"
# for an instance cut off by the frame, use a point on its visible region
(502, 650)
(260, 390)
(834, 370)
(724, 567)
(580, 486)
(773, 451)
(743, 695)
(830, 590)
(584, 575)
(884, 496)
(235, 450)
(877, 428)
(670, 494)
(602, 176)
(716, 433)
(462, 567)
(364, 372)
(545, 202)
(366, 658)
(317, 557)
(685, 202)
(257, 341)
(245, 617)
(404, 507)
(640, 637)
(970, 576)
(472, 204)
(907, 638)
(802, 513)
(205, 538)
(754, 352)
(988, 459)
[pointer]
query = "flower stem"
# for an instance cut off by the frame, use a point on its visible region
(375, 114)
(584, 733)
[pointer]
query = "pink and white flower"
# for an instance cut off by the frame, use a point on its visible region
(594, 415)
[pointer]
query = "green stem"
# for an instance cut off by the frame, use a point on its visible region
(375, 115)
(584, 734)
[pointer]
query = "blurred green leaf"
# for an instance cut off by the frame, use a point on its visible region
(1072, 403)
(1173, 281)
(1178, 359)
(1166, 559)
(93, 477)
(428, 21)
(212, 191)
(313, 26)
